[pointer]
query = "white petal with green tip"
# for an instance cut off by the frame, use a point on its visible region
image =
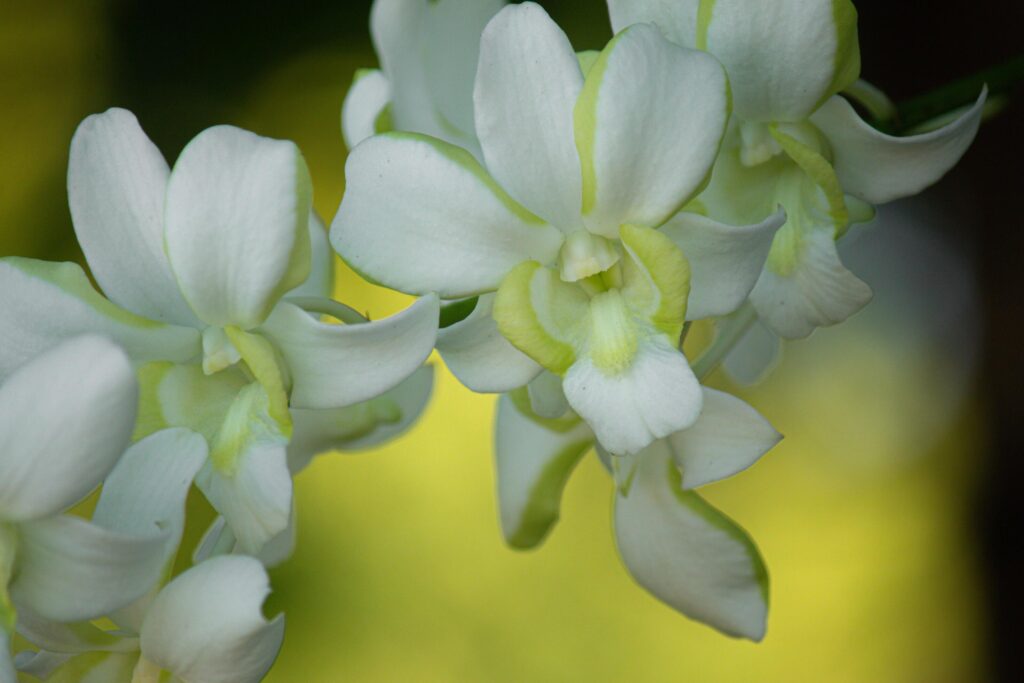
(207, 624)
(688, 554)
(364, 425)
(533, 464)
(72, 570)
(246, 477)
(656, 395)
(784, 57)
(879, 168)
(818, 292)
(44, 303)
(648, 125)
(480, 357)
(457, 235)
(65, 419)
(237, 224)
(526, 87)
(727, 438)
(725, 260)
(332, 366)
(364, 103)
(117, 180)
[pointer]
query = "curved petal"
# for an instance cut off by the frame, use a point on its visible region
(89, 667)
(526, 87)
(456, 235)
(879, 168)
(533, 464)
(333, 366)
(65, 419)
(237, 224)
(728, 437)
(73, 638)
(784, 57)
(207, 624)
(396, 28)
(725, 260)
(480, 357)
(184, 396)
(117, 179)
(246, 477)
(364, 425)
(676, 19)
(547, 400)
(652, 398)
(320, 282)
(365, 102)
(72, 570)
(145, 494)
(819, 291)
(43, 303)
(648, 126)
(688, 554)
(757, 353)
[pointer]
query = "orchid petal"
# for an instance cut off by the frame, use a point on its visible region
(526, 88)
(207, 625)
(725, 260)
(367, 99)
(457, 235)
(72, 570)
(320, 282)
(533, 465)
(547, 399)
(65, 419)
(117, 179)
(755, 355)
(43, 303)
(89, 667)
(237, 224)
(480, 357)
(879, 168)
(648, 125)
(184, 396)
(333, 366)
(73, 638)
(656, 395)
(688, 554)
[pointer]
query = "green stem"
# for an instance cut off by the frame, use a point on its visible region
(335, 309)
(731, 332)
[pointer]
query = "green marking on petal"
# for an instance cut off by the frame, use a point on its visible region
(614, 338)
(385, 121)
(521, 400)
(657, 278)
(72, 280)
(585, 122)
(249, 423)
(468, 162)
(846, 61)
(820, 171)
(720, 521)
(542, 509)
(151, 417)
(8, 550)
(587, 59)
(262, 359)
(541, 315)
(704, 13)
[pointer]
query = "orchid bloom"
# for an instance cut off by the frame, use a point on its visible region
(681, 549)
(428, 54)
(206, 267)
(795, 142)
(585, 159)
(203, 626)
(65, 419)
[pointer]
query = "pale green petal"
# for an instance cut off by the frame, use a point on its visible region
(237, 218)
(526, 87)
(65, 419)
(480, 357)
(457, 235)
(184, 396)
(688, 554)
(657, 279)
(533, 465)
(43, 303)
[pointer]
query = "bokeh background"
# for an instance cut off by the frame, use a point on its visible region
(890, 516)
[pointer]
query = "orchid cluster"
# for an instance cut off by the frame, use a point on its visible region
(564, 218)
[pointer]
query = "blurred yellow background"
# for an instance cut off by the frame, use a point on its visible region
(400, 572)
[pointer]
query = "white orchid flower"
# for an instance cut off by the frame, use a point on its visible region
(685, 552)
(199, 264)
(65, 419)
(428, 54)
(581, 169)
(796, 142)
(205, 626)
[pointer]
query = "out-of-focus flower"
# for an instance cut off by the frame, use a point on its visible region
(580, 171)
